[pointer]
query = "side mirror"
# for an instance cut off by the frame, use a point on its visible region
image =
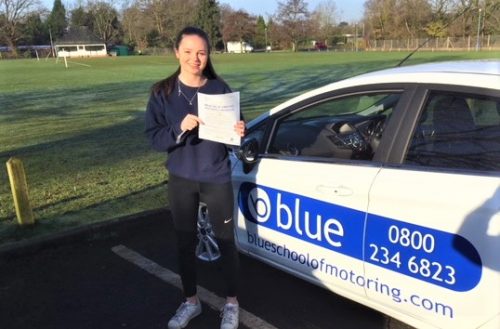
(248, 151)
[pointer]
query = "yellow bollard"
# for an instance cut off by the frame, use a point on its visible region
(19, 188)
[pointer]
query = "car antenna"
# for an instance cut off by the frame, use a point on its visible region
(430, 37)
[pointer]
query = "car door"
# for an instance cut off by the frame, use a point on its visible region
(302, 206)
(433, 225)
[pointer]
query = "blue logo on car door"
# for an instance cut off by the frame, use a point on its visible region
(441, 258)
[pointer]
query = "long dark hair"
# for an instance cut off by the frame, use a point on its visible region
(168, 83)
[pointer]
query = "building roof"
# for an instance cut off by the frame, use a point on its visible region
(78, 35)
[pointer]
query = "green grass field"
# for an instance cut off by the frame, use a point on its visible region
(79, 130)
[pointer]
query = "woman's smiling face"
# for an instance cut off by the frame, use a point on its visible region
(192, 55)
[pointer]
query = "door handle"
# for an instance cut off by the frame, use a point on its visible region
(339, 190)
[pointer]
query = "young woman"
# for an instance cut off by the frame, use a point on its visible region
(199, 170)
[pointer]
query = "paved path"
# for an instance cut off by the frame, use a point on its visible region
(124, 276)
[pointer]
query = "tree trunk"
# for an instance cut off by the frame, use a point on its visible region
(12, 45)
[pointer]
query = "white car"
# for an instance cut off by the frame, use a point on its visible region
(383, 188)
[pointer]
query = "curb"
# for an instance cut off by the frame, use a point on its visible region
(85, 233)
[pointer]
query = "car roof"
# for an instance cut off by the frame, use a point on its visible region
(477, 73)
(473, 73)
(470, 66)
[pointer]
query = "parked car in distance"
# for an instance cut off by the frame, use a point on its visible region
(383, 188)
(320, 46)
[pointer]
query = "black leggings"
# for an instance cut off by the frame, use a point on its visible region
(184, 196)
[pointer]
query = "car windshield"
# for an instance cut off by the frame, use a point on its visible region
(379, 105)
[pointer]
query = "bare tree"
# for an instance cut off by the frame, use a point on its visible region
(413, 16)
(157, 11)
(440, 8)
(463, 24)
(275, 35)
(13, 13)
(136, 26)
(381, 18)
(181, 14)
(104, 20)
(168, 17)
(440, 14)
(323, 20)
(293, 16)
(491, 22)
(477, 14)
(436, 18)
(238, 26)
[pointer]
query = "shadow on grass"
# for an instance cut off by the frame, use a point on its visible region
(99, 146)
(92, 168)
(53, 204)
(10, 231)
(81, 170)
(125, 140)
(262, 91)
(71, 101)
(259, 90)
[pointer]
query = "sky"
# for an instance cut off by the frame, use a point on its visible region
(347, 10)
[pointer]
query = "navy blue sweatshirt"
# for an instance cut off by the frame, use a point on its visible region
(191, 157)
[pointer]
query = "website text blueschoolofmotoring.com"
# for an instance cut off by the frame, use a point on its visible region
(350, 276)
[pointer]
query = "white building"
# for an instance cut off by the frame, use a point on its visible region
(79, 42)
(81, 50)
(238, 47)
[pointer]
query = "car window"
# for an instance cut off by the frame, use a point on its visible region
(256, 132)
(457, 131)
(345, 128)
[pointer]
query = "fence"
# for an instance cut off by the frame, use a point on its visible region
(468, 43)
(486, 43)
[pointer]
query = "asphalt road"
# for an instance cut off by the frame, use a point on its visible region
(84, 280)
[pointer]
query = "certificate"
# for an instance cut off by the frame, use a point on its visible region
(219, 114)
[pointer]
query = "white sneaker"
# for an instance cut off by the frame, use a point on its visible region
(230, 316)
(184, 314)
